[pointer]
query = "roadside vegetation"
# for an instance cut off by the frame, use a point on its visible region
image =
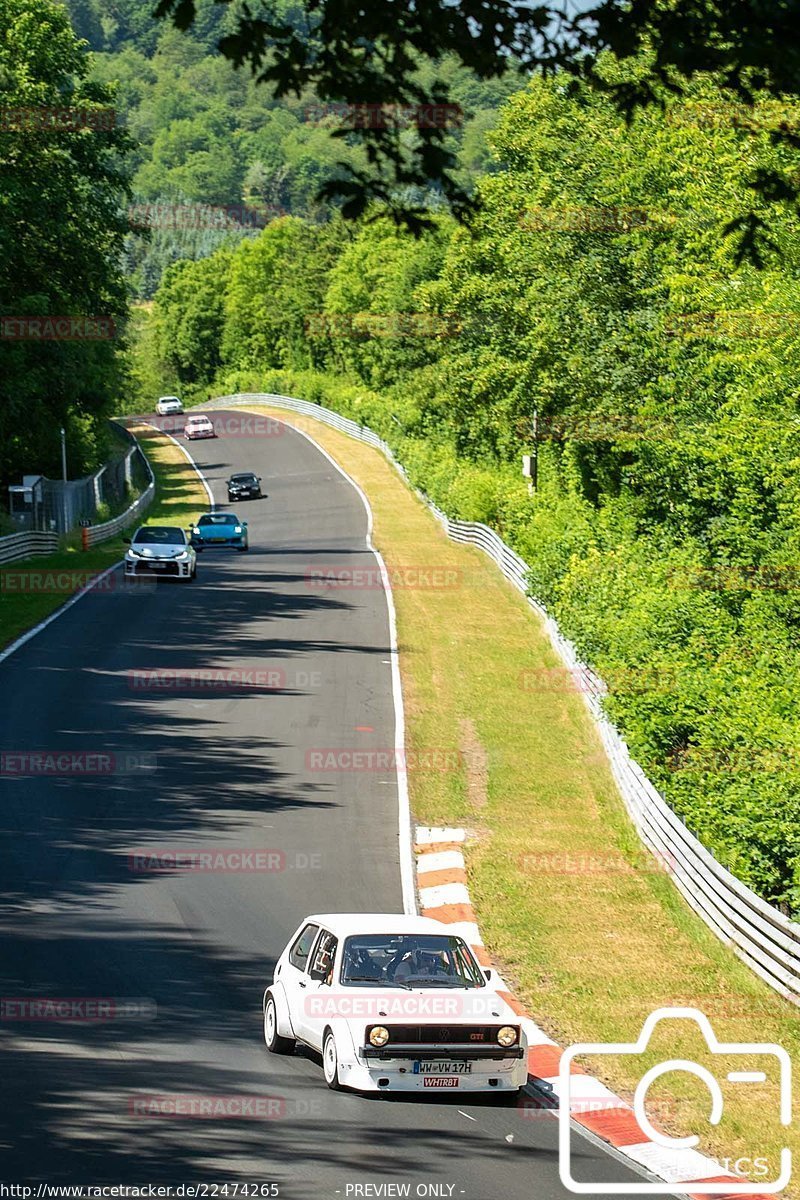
(33, 588)
(599, 286)
(592, 935)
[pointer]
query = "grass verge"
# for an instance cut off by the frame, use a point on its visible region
(33, 588)
(591, 934)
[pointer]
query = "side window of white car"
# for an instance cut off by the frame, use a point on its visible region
(298, 955)
(324, 954)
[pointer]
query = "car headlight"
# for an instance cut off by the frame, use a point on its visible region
(507, 1036)
(237, 529)
(182, 557)
(378, 1035)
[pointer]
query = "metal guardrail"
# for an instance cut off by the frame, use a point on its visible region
(108, 529)
(758, 932)
(26, 545)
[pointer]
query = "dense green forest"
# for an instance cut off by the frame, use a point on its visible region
(599, 285)
(63, 193)
(214, 154)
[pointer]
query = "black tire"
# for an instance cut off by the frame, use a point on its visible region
(272, 1039)
(330, 1062)
(244, 549)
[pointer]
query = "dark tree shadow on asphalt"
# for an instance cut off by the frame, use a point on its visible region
(76, 921)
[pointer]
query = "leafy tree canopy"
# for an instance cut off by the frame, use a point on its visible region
(368, 53)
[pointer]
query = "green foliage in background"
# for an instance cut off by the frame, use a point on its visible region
(62, 190)
(598, 283)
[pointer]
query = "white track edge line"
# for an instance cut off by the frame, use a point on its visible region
(404, 822)
(59, 612)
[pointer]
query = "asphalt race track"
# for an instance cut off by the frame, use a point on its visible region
(206, 769)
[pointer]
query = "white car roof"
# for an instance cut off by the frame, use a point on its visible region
(344, 924)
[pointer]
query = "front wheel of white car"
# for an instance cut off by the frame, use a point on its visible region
(274, 1042)
(330, 1062)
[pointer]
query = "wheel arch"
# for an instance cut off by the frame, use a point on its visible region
(284, 1020)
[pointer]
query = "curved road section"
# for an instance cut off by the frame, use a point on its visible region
(188, 770)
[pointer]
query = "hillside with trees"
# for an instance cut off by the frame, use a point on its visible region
(599, 284)
(215, 155)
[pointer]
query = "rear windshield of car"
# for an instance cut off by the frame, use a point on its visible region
(199, 421)
(409, 960)
(218, 519)
(163, 534)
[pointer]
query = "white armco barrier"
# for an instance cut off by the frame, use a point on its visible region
(761, 935)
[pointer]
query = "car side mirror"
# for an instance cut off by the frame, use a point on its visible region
(127, 541)
(487, 974)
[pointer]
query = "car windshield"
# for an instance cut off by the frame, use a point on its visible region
(409, 960)
(218, 519)
(164, 535)
(243, 479)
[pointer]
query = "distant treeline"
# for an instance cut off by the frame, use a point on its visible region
(598, 290)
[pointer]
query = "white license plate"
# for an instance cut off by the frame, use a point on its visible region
(440, 1081)
(442, 1068)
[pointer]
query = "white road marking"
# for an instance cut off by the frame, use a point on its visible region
(404, 821)
(31, 633)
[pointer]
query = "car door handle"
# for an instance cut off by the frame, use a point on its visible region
(302, 983)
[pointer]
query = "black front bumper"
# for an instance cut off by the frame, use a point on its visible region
(147, 568)
(442, 1053)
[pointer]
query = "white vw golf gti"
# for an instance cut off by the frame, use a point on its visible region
(393, 1003)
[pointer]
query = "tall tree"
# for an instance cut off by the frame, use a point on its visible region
(62, 184)
(368, 55)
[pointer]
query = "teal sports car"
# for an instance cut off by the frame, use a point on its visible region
(219, 529)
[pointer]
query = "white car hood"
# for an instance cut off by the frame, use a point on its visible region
(156, 550)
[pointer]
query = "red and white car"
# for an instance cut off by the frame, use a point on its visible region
(199, 427)
(395, 1004)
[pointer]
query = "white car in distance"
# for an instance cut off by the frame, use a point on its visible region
(167, 406)
(199, 427)
(394, 1004)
